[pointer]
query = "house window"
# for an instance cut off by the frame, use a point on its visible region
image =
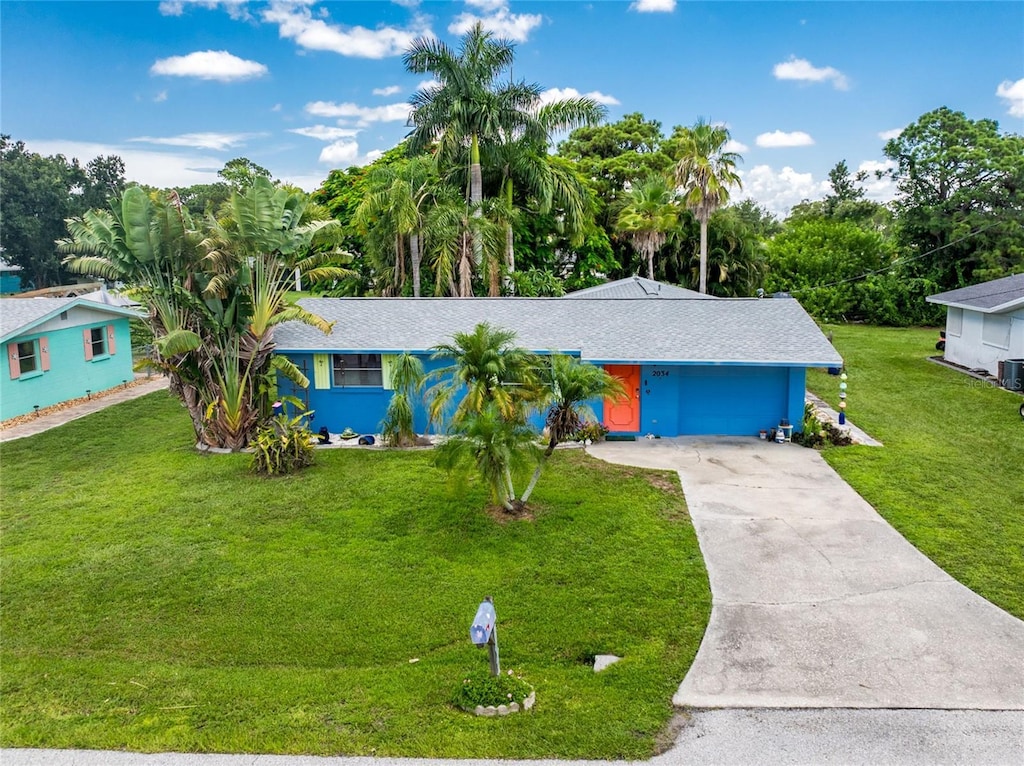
(996, 330)
(358, 370)
(28, 357)
(955, 321)
(98, 341)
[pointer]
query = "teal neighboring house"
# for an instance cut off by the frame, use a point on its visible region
(56, 349)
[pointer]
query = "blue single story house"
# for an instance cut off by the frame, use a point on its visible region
(56, 349)
(690, 365)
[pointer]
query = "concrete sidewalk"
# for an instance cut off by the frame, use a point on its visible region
(727, 737)
(55, 418)
(816, 600)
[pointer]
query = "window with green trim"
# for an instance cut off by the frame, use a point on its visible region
(357, 370)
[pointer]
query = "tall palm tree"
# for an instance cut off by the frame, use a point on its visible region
(570, 384)
(546, 181)
(394, 211)
(705, 172)
(467, 108)
(467, 105)
(648, 216)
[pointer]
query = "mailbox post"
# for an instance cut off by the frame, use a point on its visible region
(484, 632)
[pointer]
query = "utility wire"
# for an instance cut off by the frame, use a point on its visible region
(899, 261)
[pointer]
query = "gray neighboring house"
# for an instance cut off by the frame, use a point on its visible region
(984, 323)
(690, 365)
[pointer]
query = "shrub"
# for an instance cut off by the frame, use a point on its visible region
(595, 432)
(481, 688)
(284, 445)
(816, 433)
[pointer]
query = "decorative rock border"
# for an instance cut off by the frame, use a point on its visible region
(491, 711)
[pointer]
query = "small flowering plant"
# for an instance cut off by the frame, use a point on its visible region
(481, 688)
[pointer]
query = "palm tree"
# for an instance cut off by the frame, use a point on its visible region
(649, 214)
(394, 211)
(490, 369)
(570, 384)
(454, 230)
(467, 105)
(493, 446)
(467, 108)
(397, 427)
(705, 172)
(546, 180)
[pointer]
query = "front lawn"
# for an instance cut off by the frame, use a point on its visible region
(951, 475)
(158, 599)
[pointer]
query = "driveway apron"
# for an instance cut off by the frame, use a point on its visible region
(817, 601)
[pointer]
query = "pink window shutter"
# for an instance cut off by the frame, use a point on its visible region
(44, 354)
(12, 358)
(87, 337)
(111, 345)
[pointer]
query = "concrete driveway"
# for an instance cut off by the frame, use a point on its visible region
(817, 601)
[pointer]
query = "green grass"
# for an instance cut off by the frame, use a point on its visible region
(951, 475)
(157, 599)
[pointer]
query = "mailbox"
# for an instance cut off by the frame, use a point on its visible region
(483, 624)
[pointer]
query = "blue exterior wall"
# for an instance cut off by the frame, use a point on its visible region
(675, 400)
(356, 407)
(729, 400)
(70, 375)
(10, 282)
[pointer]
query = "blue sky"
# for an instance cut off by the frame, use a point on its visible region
(179, 87)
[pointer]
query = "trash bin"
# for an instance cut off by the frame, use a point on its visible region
(1013, 374)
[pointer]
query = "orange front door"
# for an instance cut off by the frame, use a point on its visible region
(624, 414)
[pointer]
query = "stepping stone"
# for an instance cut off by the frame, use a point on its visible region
(601, 661)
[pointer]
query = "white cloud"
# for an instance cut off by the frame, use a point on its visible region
(326, 132)
(487, 6)
(209, 65)
(428, 84)
(779, 190)
(339, 153)
(558, 94)
(374, 154)
(653, 6)
(1013, 94)
(296, 22)
(888, 135)
(235, 8)
(498, 19)
(804, 71)
(154, 168)
(390, 90)
(777, 139)
(732, 145)
(160, 97)
(878, 189)
(217, 142)
(275, 108)
(364, 114)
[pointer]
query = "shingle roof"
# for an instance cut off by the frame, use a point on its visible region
(746, 330)
(636, 287)
(19, 315)
(992, 297)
